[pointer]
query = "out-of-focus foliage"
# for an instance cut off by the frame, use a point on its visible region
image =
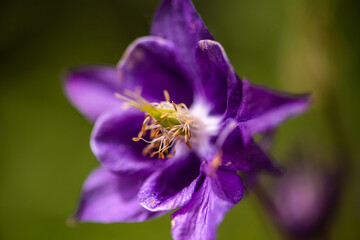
(293, 45)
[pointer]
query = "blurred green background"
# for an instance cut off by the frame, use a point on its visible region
(291, 45)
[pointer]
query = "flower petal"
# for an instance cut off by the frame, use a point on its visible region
(172, 186)
(111, 142)
(108, 198)
(178, 21)
(218, 77)
(91, 89)
(263, 109)
(248, 158)
(152, 63)
(199, 219)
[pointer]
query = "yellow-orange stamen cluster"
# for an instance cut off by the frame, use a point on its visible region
(166, 123)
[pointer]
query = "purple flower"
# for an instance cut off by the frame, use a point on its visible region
(302, 202)
(305, 200)
(195, 141)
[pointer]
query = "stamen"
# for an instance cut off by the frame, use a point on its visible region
(188, 144)
(164, 115)
(174, 105)
(183, 106)
(167, 96)
(167, 123)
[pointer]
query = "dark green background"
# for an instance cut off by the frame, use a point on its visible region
(292, 45)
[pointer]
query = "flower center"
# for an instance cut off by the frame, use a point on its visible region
(166, 123)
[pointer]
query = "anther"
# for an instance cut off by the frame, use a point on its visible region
(174, 105)
(167, 96)
(164, 115)
(167, 123)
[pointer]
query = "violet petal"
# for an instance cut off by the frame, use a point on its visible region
(112, 144)
(199, 219)
(218, 77)
(178, 21)
(153, 64)
(91, 89)
(262, 109)
(248, 158)
(172, 186)
(107, 198)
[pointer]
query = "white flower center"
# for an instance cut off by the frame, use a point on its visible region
(208, 126)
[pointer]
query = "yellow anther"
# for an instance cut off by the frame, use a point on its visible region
(167, 96)
(174, 105)
(188, 144)
(167, 122)
(164, 115)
